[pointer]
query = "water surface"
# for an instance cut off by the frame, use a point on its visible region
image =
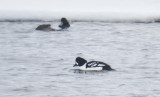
(38, 64)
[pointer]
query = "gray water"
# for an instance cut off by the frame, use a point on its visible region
(39, 64)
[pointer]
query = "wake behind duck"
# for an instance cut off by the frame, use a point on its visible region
(82, 64)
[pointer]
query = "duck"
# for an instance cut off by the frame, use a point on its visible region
(47, 27)
(82, 64)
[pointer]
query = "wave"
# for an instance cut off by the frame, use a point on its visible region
(109, 17)
(151, 20)
(137, 11)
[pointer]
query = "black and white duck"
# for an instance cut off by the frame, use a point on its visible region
(82, 64)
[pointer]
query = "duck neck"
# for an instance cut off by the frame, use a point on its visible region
(84, 66)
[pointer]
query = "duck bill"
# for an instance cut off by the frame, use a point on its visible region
(75, 65)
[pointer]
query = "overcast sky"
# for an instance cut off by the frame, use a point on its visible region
(82, 5)
(82, 9)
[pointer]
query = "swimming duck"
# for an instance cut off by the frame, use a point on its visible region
(82, 64)
(47, 27)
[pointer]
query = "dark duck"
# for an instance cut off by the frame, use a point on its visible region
(47, 27)
(82, 64)
(64, 24)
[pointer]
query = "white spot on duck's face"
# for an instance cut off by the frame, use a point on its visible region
(76, 63)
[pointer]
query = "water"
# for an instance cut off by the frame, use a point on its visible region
(38, 64)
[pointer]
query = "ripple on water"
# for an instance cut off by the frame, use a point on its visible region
(37, 63)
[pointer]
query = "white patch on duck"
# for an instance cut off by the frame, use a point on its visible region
(88, 68)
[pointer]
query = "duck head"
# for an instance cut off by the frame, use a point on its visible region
(64, 23)
(80, 61)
